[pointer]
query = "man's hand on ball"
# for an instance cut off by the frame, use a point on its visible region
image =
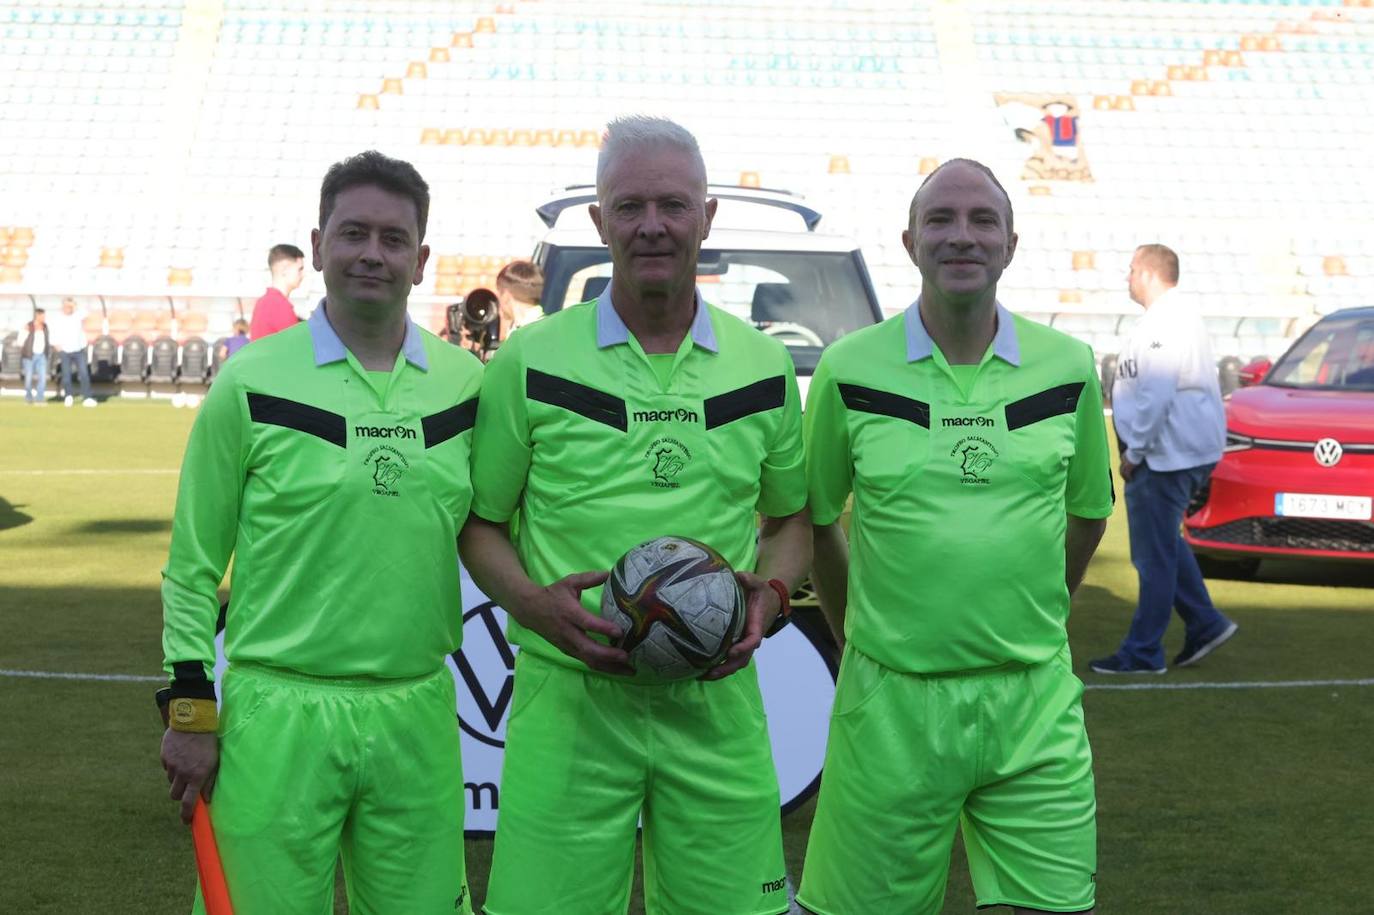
(761, 607)
(556, 613)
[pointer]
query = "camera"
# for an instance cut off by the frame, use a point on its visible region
(478, 318)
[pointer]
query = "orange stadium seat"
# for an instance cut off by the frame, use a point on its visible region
(431, 136)
(446, 285)
(192, 323)
(392, 86)
(839, 165)
(417, 70)
(448, 264)
(21, 237)
(485, 24)
(1334, 265)
(93, 325)
(147, 323)
(15, 257)
(179, 276)
(121, 324)
(368, 102)
(11, 275)
(439, 56)
(461, 40)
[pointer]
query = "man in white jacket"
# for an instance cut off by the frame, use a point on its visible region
(1171, 427)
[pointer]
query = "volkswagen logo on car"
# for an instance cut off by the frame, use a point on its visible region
(1327, 452)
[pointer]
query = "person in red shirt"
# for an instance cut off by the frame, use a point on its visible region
(273, 312)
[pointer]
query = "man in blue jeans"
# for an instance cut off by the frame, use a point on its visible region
(34, 359)
(1171, 426)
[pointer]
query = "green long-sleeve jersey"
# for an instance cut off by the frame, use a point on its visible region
(339, 494)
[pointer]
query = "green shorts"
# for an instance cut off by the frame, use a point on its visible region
(312, 767)
(1003, 753)
(587, 755)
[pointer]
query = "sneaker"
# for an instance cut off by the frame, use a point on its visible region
(1194, 652)
(68, 401)
(88, 402)
(1115, 664)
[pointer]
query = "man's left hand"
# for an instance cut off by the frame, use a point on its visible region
(1127, 469)
(761, 607)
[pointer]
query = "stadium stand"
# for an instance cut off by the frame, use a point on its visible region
(156, 147)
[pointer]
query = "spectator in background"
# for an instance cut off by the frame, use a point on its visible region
(273, 312)
(235, 343)
(518, 288)
(69, 342)
(34, 356)
(1171, 428)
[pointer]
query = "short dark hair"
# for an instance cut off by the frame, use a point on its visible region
(372, 168)
(523, 279)
(973, 163)
(40, 311)
(1162, 259)
(281, 253)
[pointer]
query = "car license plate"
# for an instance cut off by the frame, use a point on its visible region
(1311, 505)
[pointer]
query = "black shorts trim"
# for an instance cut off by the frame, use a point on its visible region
(768, 394)
(278, 411)
(885, 403)
(598, 406)
(1048, 403)
(444, 425)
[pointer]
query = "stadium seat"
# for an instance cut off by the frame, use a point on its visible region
(162, 360)
(104, 359)
(11, 358)
(133, 359)
(215, 361)
(195, 361)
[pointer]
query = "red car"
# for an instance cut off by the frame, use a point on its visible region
(1297, 478)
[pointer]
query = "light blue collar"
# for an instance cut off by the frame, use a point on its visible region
(329, 348)
(919, 345)
(610, 329)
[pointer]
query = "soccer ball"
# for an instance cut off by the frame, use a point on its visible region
(678, 604)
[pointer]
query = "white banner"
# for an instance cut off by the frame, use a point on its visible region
(797, 682)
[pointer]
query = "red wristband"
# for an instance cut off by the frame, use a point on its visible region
(784, 596)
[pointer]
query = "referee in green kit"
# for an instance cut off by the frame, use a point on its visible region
(644, 413)
(974, 444)
(331, 461)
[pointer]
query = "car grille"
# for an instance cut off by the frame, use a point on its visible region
(1293, 534)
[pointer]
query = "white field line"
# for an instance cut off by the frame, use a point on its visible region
(1131, 687)
(104, 471)
(67, 675)
(1252, 684)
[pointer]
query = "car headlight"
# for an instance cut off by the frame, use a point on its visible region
(1237, 442)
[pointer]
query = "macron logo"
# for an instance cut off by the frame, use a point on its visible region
(383, 432)
(665, 416)
(966, 421)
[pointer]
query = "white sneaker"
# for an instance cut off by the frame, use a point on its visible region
(88, 402)
(68, 400)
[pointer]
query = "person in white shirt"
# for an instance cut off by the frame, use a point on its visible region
(1171, 427)
(69, 339)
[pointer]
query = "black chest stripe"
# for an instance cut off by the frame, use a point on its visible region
(598, 406)
(444, 425)
(278, 411)
(884, 403)
(1050, 402)
(768, 394)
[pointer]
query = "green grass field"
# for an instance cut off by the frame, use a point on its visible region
(1215, 801)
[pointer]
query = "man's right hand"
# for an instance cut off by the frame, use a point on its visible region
(556, 613)
(191, 761)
